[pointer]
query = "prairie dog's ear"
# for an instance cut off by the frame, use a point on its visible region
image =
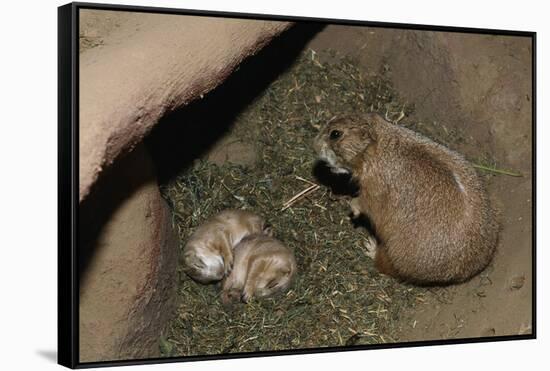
(286, 271)
(369, 133)
(371, 120)
(268, 229)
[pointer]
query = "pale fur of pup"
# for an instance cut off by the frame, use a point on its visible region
(429, 210)
(263, 266)
(208, 254)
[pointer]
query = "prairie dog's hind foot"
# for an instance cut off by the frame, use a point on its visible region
(227, 256)
(355, 208)
(230, 296)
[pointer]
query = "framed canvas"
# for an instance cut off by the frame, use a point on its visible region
(237, 185)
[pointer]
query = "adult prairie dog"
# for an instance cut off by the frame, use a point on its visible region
(263, 266)
(430, 213)
(208, 254)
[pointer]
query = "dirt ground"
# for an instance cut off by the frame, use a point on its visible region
(479, 85)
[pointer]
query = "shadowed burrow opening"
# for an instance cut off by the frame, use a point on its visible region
(188, 133)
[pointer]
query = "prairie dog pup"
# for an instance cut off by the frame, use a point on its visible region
(429, 210)
(208, 254)
(263, 266)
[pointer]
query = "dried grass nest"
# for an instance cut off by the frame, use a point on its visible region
(338, 298)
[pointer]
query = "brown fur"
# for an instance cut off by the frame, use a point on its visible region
(263, 266)
(429, 209)
(208, 254)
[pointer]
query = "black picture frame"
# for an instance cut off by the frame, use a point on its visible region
(68, 182)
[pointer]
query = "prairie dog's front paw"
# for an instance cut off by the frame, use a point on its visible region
(228, 267)
(246, 295)
(227, 261)
(371, 246)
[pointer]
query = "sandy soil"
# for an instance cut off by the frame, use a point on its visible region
(498, 302)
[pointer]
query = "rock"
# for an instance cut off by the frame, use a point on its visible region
(148, 66)
(128, 255)
(134, 69)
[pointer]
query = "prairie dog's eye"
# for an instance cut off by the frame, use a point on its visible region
(271, 284)
(335, 134)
